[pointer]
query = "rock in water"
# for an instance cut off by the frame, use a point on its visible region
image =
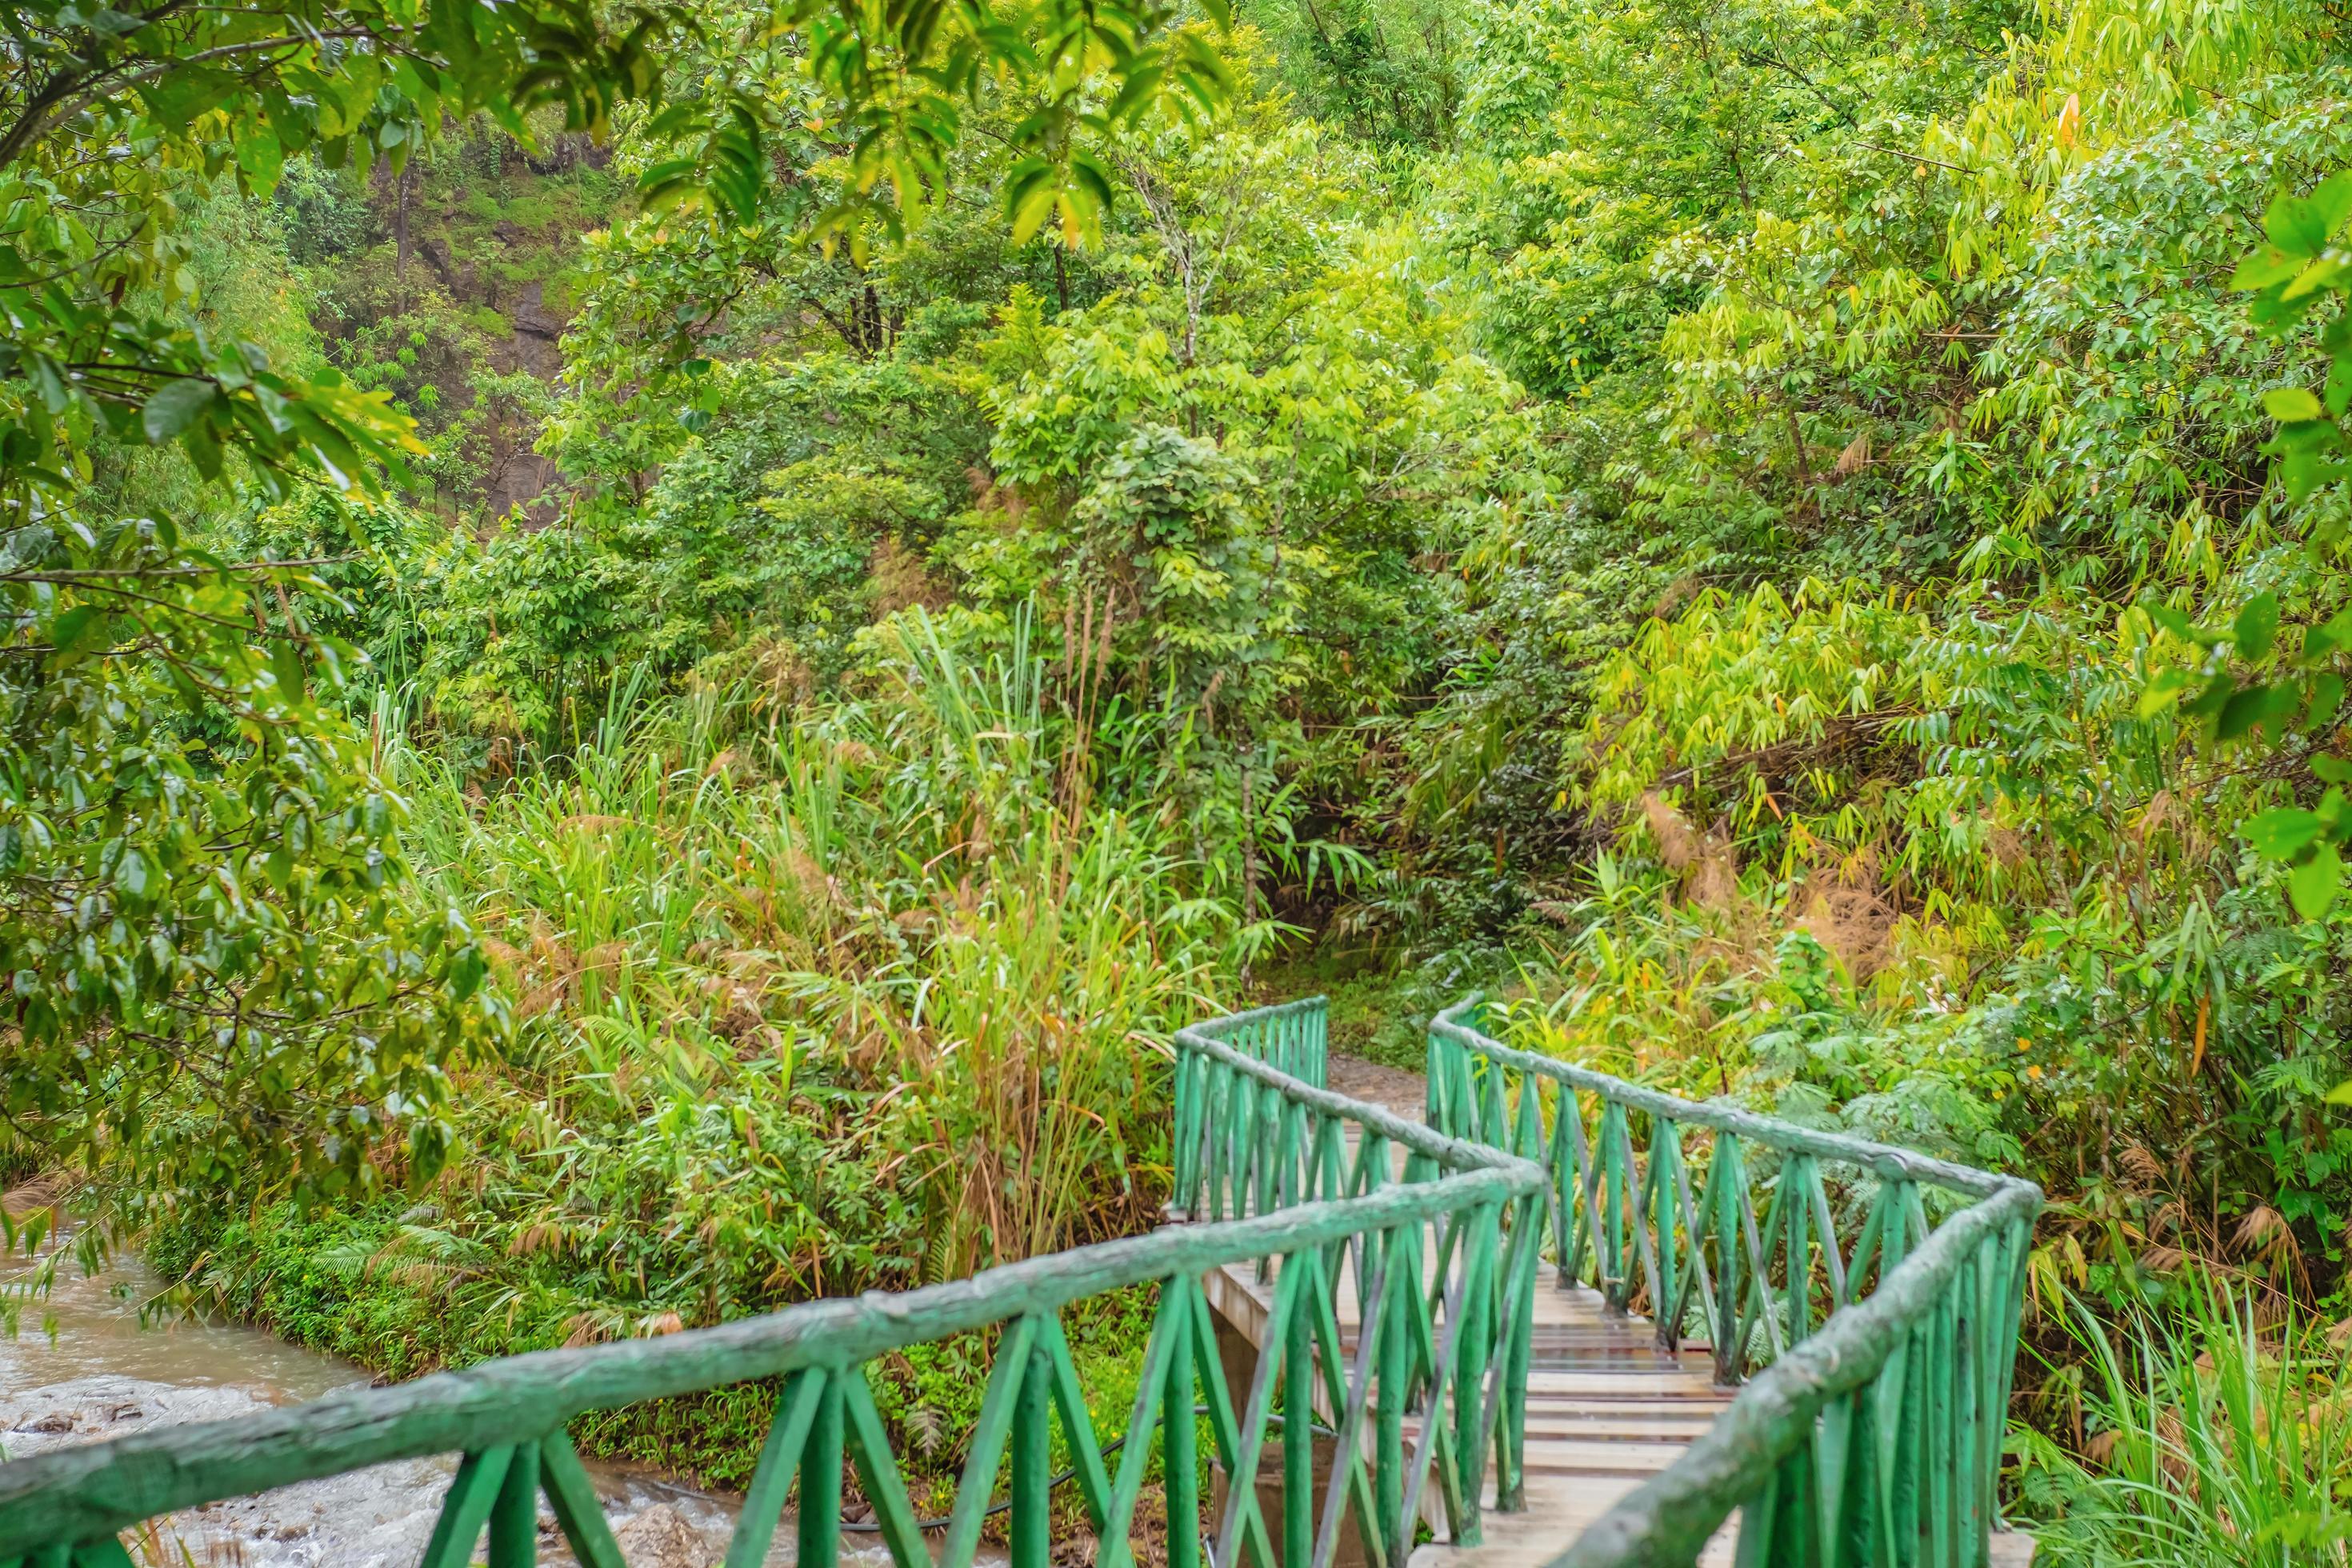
(660, 1536)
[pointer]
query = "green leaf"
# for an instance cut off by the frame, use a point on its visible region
(2291, 404)
(2326, 696)
(82, 624)
(135, 875)
(2331, 204)
(2246, 708)
(204, 445)
(2307, 471)
(466, 967)
(2256, 626)
(2332, 768)
(174, 407)
(2261, 268)
(2164, 691)
(286, 665)
(2341, 1094)
(2311, 886)
(2209, 702)
(2318, 275)
(262, 158)
(2282, 832)
(1029, 193)
(2304, 227)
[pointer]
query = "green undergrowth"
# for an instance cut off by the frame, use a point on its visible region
(866, 996)
(1379, 1009)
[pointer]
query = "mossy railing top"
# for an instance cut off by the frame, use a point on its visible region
(506, 1418)
(1872, 1432)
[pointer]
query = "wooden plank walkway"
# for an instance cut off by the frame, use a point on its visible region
(1606, 1410)
(1606, 1407)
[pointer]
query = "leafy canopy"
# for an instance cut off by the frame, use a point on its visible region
(221, 972)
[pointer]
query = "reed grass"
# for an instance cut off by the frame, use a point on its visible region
(2209, 1438)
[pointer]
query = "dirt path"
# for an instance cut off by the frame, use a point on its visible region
(1392, 1088)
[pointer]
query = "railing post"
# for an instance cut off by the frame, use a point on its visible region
(1179, 1460)
(1298, 1422)
(1389, 1401)
(514, 1517)
(1474, 1339)
(1726, 1178)
(1033, 1514)
(1663, 1185)
(1184, 1162)
(820, 1501)
(1614, 1255)
(1510, 1481)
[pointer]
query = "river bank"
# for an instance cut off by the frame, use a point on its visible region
(83, 1367)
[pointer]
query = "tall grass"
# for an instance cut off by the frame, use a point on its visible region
(2210, 1442)
(806, 1002)
(867, 994)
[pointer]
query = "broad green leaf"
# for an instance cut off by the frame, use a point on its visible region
(2311, 886)
(262, 158)
(2331, 204)
(286, 665)
(83, 629)
(2246, 708)
(2257, 625)
(2282, 832)
(2319, 275)
(2164, 691)
(2264, 268)
(2326, 696)
(2303, 226)
(2291, 404)
(135, 875)
(174, 407)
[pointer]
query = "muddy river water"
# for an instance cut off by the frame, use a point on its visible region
(83, 1368)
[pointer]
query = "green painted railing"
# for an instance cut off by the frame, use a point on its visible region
(1872, 1434)
(1444, 1305)
(1395, 1264)
(1432, 1249)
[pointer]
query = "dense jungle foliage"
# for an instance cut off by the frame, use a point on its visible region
(731, 616)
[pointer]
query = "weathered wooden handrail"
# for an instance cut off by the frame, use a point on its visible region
(1292, 1037)
(73, 1493)
(1879, 1159)
(1874, 1434)
(1428, 1341)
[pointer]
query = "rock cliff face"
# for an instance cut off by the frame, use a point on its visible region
(466, 284)
(517, 477)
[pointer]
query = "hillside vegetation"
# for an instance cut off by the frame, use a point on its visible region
(636, 702)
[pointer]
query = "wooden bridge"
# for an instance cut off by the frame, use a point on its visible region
(1556, 1318)
(1607, 1409)
(1607, 1405)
